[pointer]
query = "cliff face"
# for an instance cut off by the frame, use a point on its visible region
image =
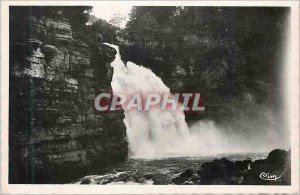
(54, 133)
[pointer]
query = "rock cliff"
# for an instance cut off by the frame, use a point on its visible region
(54, 133)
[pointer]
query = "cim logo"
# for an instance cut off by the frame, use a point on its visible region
(269, 177)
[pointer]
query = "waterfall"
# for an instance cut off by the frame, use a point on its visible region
(155, 133)
(152, 133)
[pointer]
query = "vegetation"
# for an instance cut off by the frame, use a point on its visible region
(226, 52)
(231, 55)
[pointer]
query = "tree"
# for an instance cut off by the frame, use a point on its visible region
(231, 50)
(117, 19)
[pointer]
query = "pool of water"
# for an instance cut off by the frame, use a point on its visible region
(156, 171)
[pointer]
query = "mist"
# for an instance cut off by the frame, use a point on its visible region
(243, 133)
(156, 133)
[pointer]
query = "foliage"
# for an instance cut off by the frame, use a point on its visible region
(227, 52)
(117, 19)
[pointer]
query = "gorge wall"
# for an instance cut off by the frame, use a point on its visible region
(54, 133)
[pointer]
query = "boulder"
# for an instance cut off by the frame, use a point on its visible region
(245, 172)
(184, 178)
(187, 174)
(263, 172)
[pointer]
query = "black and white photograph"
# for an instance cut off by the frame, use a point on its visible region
(158, 94)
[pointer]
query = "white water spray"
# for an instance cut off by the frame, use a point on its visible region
(152, 133)
(155, 133)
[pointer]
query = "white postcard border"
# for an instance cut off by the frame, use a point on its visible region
(292, 97)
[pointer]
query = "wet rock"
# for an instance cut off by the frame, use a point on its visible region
(159, 179)
(183, 178)
(86, 181)
(216, 172)
(242, 165)
(264, 172)
(278, 157)
(274, 170)
(188, 173)
(179, 180)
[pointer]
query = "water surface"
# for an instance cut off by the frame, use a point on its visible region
(157, 171)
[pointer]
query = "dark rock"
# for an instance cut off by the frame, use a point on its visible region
(277, 157)
(278, 163)
(55, 135)
(245, 172)
(179, 180)
(241, 167)
(216, 172)
(159, 179)
(86, 181)
(183, 178)
(188, 173)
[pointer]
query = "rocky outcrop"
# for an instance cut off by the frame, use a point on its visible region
(275, 170)
(54, 133)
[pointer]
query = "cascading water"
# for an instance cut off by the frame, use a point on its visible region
(151, 133)
(156, 133)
